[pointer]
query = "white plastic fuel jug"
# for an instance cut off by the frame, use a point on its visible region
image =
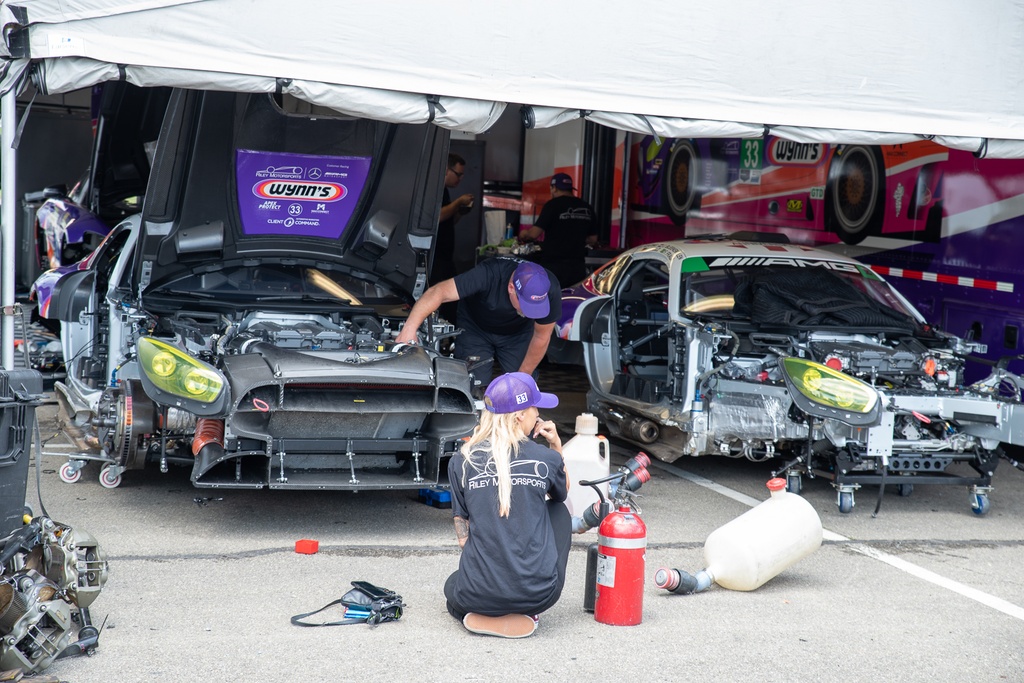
(755, 547)
(586, 459)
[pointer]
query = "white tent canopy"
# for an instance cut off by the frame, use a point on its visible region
(918, 68)
(872, 71)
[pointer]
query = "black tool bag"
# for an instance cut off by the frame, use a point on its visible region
(381, 604)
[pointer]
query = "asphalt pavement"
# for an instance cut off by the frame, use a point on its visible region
(202, 584)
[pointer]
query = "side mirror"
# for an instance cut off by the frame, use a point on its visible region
(49, 192)
(72, 295)
(55, 191)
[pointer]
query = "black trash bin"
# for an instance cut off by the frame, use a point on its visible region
(19, 394)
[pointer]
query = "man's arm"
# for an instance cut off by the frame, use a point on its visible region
(531, 234)
(538, 347)
(451, 210)
(461, 530)
(440, 293)
(543, 222)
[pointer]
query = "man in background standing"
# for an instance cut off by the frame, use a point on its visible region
(443, 266)
(567, 226)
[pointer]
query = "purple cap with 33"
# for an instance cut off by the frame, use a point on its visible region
(515, 391)
(532, 284)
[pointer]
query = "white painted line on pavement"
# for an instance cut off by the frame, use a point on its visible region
(992, 601)
(708, 484)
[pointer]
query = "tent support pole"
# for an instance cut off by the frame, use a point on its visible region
(8, 216)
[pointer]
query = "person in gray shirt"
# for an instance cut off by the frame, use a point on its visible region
(509, 514)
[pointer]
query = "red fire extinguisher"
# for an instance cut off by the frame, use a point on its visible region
(621, 546)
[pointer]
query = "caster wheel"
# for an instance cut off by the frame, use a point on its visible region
(68, 474)
(845, 502)
(904, 489)
(107, 480)
(980, 504)
(794, 483)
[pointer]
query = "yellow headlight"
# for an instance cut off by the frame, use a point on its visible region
(829, 387)
(174, 371)
(843, 396)
(163, 364)
(197, 383)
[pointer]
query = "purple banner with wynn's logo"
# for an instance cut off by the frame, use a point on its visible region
(298, 194)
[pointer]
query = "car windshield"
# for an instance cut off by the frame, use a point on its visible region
(276, 282)
(605, 277)
(801, 296)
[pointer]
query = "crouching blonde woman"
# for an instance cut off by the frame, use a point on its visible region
(510, 519)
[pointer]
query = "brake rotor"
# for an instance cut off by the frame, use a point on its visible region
(133, 423)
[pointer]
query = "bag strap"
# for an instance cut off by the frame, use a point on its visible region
(297, 619)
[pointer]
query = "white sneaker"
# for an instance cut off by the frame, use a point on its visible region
(507, 626)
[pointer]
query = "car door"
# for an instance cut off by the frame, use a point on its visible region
(641, 330)
(79, 300)
(626, 347)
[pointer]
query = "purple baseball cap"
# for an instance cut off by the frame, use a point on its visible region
(516, 391)
(532, 284)
(562, 181)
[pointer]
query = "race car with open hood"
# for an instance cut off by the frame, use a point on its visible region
(744, 349)
(242, 323)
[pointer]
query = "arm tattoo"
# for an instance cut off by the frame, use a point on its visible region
(461, 530)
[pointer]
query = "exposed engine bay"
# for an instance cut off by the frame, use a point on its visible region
(816, 362)
(242, 323)
(232, 334)
(313, 400)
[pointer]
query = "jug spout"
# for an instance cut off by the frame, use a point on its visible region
(682, 582)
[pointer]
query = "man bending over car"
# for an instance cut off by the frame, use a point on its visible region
(507, 309)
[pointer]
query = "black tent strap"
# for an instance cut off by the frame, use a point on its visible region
(21, 123)
(434, 105)
(20, 13)
(982, 150)
(650, 127)
(528, 117)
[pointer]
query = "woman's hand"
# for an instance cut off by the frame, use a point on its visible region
(547, 429)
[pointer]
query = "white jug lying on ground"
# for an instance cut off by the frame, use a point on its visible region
(755, 547)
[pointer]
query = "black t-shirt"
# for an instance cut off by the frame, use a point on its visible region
(483, 296)
(443, 265)
(566, 222)
(509, 565)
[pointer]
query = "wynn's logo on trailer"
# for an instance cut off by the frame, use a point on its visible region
(301, 190)
(782, 152)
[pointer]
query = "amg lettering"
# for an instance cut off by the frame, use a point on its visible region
(767, 261)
